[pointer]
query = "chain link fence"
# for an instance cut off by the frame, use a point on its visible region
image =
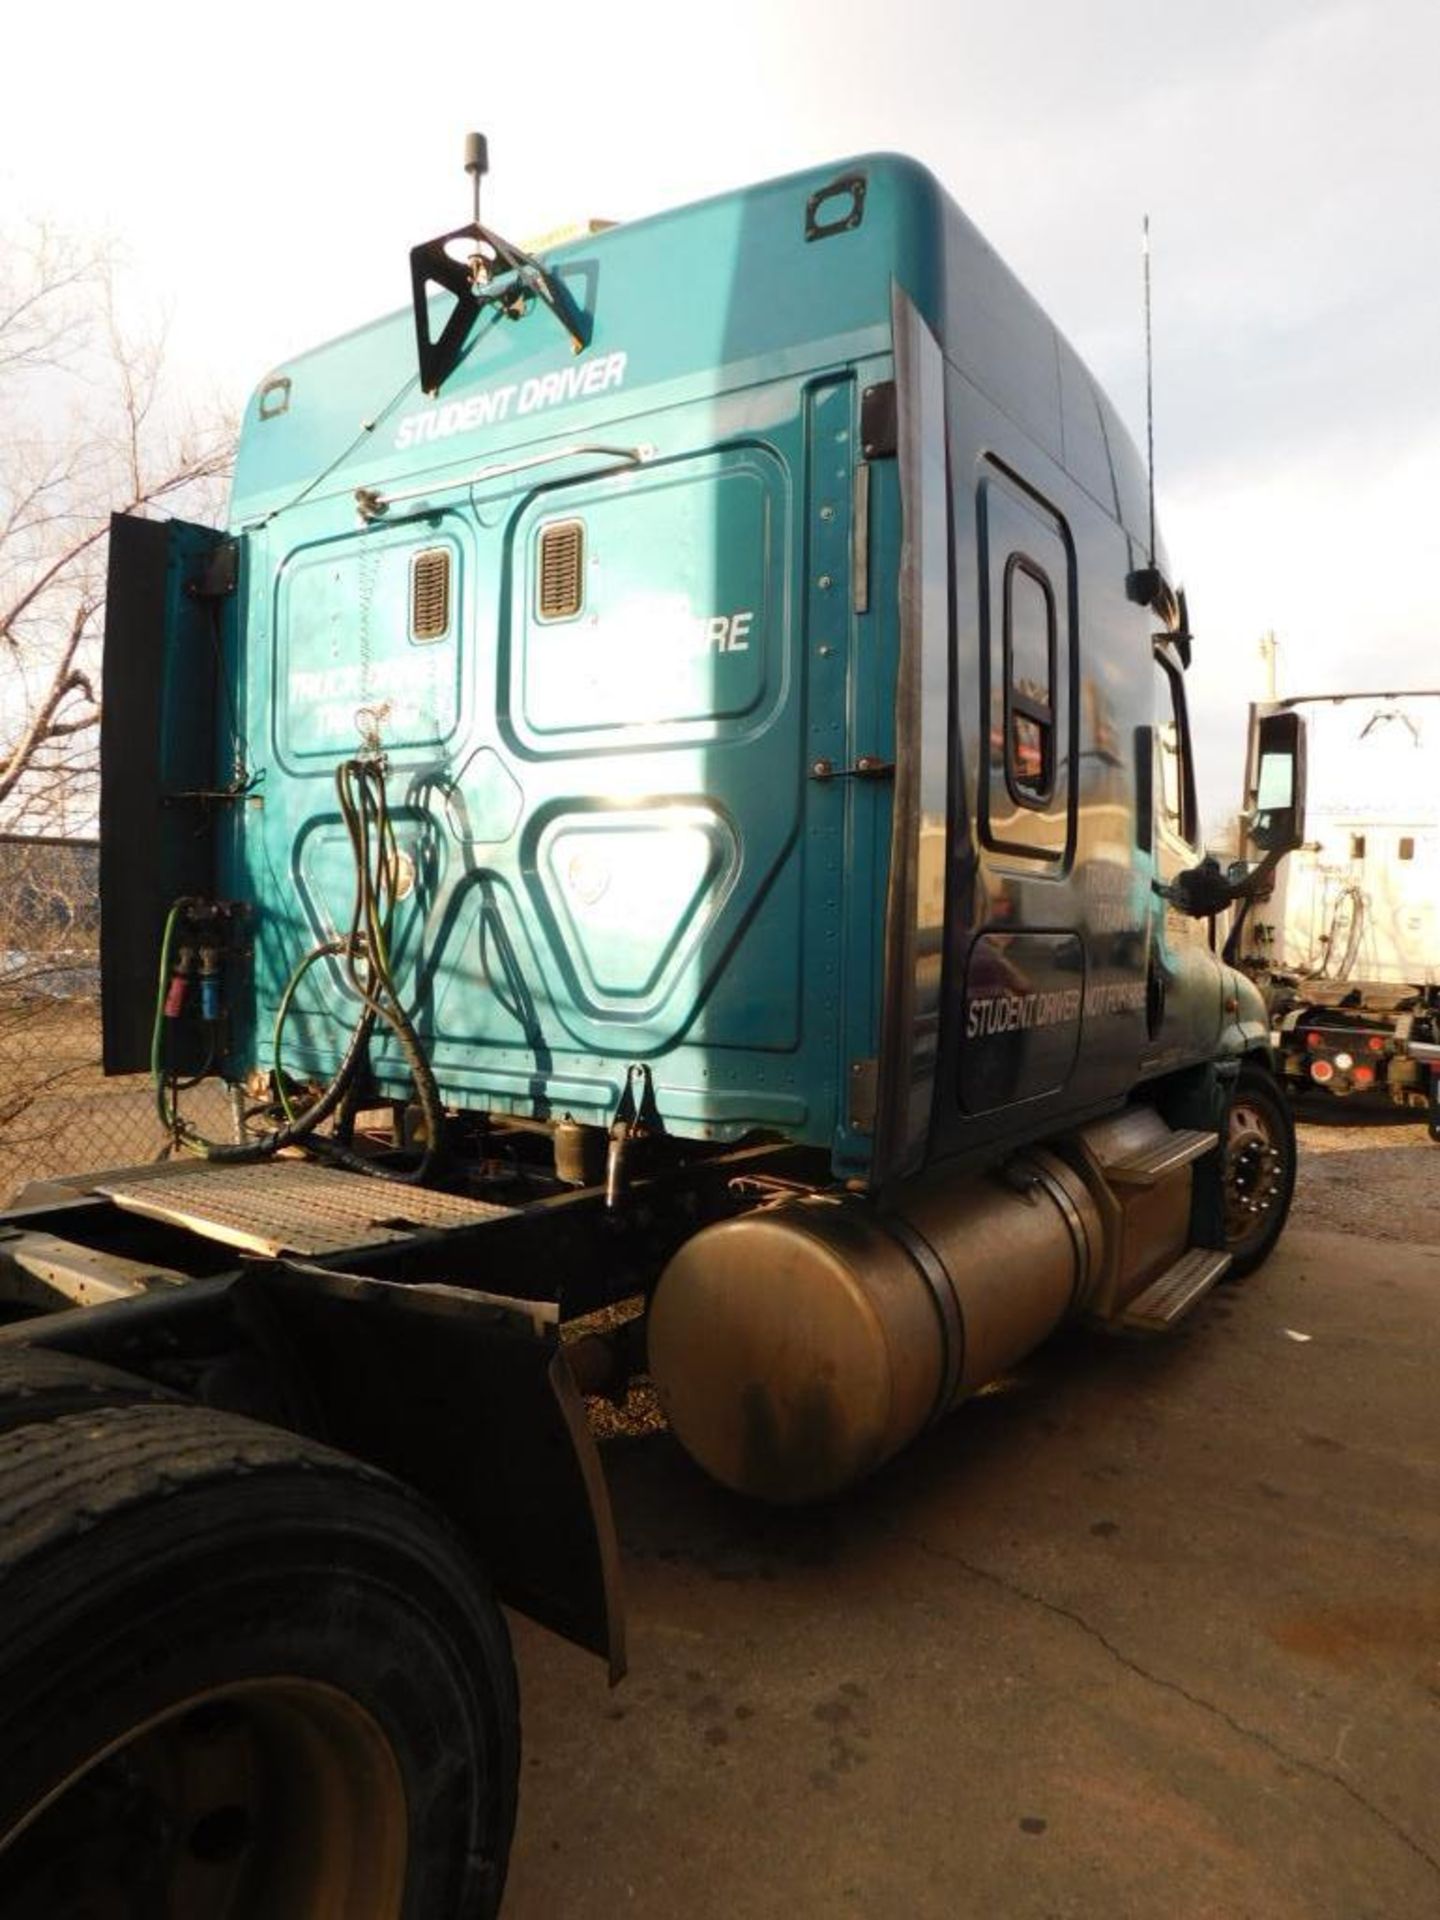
(58, 1112)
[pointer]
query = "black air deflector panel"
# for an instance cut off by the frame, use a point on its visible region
(157, 745)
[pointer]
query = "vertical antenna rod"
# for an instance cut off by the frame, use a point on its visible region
(477, 165)
(1149, 389)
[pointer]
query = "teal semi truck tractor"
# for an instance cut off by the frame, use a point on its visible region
(670, 807)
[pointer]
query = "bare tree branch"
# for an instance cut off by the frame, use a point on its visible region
(38, 321)
(107, 440)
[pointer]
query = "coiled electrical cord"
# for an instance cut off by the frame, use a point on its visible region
(365, 952)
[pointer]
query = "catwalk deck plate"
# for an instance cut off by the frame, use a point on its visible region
(284, 1206)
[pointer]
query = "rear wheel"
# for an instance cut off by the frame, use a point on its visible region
(38, 1384)
(241, 1676)
(1259, 1175)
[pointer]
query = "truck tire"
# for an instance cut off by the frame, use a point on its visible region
(37, 1384)
(241, 1673)
(1259, 1174)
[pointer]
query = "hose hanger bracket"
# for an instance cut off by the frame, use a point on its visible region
(476, 268)
(493, 273)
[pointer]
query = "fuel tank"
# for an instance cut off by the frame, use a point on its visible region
(798, 1347)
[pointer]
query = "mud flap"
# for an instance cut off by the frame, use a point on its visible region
(466, 1396)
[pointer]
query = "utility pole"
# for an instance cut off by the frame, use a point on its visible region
(1269, 647)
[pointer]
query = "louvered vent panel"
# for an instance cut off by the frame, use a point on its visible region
(562, 563)
(430, 594)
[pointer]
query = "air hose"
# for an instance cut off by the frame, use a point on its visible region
(1328, 968)
(360, 790)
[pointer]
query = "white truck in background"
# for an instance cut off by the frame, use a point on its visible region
(1346, 944)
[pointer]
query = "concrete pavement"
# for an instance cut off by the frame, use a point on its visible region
(1152, 1630)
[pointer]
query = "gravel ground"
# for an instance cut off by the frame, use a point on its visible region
(1376, 1175)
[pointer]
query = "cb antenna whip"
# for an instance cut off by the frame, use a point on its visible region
(477, 165)
(1149, 387)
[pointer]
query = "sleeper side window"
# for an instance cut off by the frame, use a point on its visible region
(1029, 666)
(1029, 681)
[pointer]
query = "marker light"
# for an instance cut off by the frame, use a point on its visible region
(1376, 1043)
(1314, 1039)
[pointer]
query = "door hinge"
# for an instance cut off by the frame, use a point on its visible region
(864, 1092)
(219, 574)
(879, 421)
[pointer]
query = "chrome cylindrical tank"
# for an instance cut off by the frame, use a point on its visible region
(797, 1347)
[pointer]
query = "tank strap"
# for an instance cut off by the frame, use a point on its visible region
(947, 1305)
(1034, 1167)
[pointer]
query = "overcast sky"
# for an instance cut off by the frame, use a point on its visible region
(266, 169)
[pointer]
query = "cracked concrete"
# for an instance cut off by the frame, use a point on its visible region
(1152, 1629)
(1118, 1654)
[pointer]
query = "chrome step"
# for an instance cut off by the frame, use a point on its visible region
(1177, 1290)
(1176, 1150)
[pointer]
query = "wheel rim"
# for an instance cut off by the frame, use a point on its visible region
(1254, 1175)
(275, 1799)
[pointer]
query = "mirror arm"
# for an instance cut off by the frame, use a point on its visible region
(1258, 879)
(1203, 891)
